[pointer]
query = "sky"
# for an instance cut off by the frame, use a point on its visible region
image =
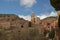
(24, 8)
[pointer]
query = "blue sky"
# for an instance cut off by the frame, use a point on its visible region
(25, 7)
(15, 6)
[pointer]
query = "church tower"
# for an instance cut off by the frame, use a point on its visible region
(32, 17)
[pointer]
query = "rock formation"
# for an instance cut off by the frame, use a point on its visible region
(12, 21)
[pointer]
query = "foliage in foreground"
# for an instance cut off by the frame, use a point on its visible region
(20, 34)
(59, 22)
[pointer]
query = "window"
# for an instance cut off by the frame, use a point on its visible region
(48, 23)
(29, 24)
(21, 26)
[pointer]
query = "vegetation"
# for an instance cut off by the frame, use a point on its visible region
(55, 4)
(59, 22)
(20, 34)
(52, 34)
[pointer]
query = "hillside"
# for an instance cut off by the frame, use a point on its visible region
(14, 28)
(49, 18)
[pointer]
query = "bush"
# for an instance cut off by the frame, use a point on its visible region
(21, 34)
(52, 34)
(59, 21)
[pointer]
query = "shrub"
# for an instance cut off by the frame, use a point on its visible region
(59, 21)
(52, 34)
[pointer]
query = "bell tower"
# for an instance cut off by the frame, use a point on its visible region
(32, 17)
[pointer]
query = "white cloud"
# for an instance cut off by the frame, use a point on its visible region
(54, 14)
(25, 17)
(27, 3)
(42, 16)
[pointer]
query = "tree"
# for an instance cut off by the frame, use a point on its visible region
(52, 34)
(55, 4)
(59, 22)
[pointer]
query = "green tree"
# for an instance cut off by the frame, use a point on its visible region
(52, 34)
(59, 22)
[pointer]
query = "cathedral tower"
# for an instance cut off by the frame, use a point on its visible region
(32, 17)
